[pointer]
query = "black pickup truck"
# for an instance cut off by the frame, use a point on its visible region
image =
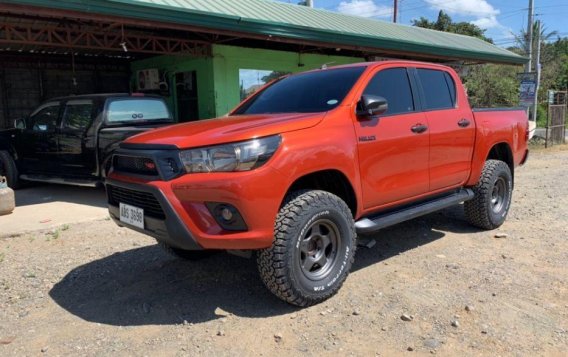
(70, 140)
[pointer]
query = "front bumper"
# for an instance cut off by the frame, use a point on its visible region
(187, 222)
(170, 230)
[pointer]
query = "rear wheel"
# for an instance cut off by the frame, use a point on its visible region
(313, 248)
(186, 254)
(490, 205)
(8, 169)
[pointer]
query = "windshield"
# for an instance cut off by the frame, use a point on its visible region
(137, 109)
(310, 92)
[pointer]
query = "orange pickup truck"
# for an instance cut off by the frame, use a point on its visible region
(300, 168)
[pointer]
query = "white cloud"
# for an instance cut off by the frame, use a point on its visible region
(485, 13)
(487, 22)
(479, 8)
(364, 8)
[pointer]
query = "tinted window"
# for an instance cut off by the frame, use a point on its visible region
(45, 119)
(393, 85)
(78, 114)
(310, 92)
(451, 86)
(435, 88)
(124, 110)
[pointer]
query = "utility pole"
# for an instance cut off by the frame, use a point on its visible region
(530, 36)
(395, 11)
(537, 70)
(310, 3)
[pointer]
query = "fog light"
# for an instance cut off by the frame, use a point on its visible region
(226, 214)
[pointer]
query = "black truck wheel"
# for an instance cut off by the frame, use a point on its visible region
(490, 205)
(8, 169)
(186, 254)
(313, 249)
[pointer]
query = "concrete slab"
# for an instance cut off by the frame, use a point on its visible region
(50, 206)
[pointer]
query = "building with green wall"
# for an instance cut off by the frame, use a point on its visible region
(220, 78)
(204, 56)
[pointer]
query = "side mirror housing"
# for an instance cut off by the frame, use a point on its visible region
(19, 124)
(371, 105)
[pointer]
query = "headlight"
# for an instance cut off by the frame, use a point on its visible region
(241, 156)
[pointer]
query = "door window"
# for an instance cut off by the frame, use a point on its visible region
(78, 114)
(393, 85)
(436, 89)
(45, 118)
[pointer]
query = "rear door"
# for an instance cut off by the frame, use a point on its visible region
(77, 144)
(393, 154)
(452, 128)
(37, 144)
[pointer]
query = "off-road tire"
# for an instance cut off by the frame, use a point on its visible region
(482, 211)
(281, 267)
(186, 254)
(8, 168)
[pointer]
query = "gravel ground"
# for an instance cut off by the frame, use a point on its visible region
(95, 289)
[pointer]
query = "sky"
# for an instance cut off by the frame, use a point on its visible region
(500, 18)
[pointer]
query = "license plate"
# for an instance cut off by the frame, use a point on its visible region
(132, 215)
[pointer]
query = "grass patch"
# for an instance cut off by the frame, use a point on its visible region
(2, 255)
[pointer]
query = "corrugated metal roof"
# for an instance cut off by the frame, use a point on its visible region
(295, 22)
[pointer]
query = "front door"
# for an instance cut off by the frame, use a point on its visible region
(77, 144)
(452, 129)
(186, 91)
(37, 144)
(393, 147)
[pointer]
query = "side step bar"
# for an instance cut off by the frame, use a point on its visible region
(60, 180)
(379, 221)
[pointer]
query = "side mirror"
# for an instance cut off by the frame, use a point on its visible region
(19, 124)
(371, 105)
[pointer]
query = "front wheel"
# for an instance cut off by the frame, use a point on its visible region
(490, 205)
(9, 170)
(313, 248)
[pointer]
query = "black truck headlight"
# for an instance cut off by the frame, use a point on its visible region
(242, 156)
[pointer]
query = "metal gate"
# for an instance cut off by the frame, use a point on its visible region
(556, 119)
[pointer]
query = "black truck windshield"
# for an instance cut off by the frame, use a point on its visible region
(310, 92)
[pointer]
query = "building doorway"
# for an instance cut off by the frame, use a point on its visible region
(186, 94)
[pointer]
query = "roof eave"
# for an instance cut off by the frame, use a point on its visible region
(136, 10)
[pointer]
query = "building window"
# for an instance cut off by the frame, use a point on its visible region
(251, 80)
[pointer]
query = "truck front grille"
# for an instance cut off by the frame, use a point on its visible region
(139, 199)
(135, 165)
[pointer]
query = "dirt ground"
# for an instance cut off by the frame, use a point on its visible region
(95, 289)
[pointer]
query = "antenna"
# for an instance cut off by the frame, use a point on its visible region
(324, 66)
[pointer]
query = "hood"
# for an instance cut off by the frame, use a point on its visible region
(226, 129)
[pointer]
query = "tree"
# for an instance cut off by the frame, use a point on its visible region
(492, 85)
(445, 23)
(522, 39)
(273, 75)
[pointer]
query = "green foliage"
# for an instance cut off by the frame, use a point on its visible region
(445, 23)
(492, 85)
(541, 116)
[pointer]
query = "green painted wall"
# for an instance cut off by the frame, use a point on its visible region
(175, 64)
(227, 60)
(218, 86)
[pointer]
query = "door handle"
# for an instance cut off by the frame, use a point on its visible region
(419, 128)
(464, 123)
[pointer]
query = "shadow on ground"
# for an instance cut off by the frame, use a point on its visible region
(46, 193)
(144, 286)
